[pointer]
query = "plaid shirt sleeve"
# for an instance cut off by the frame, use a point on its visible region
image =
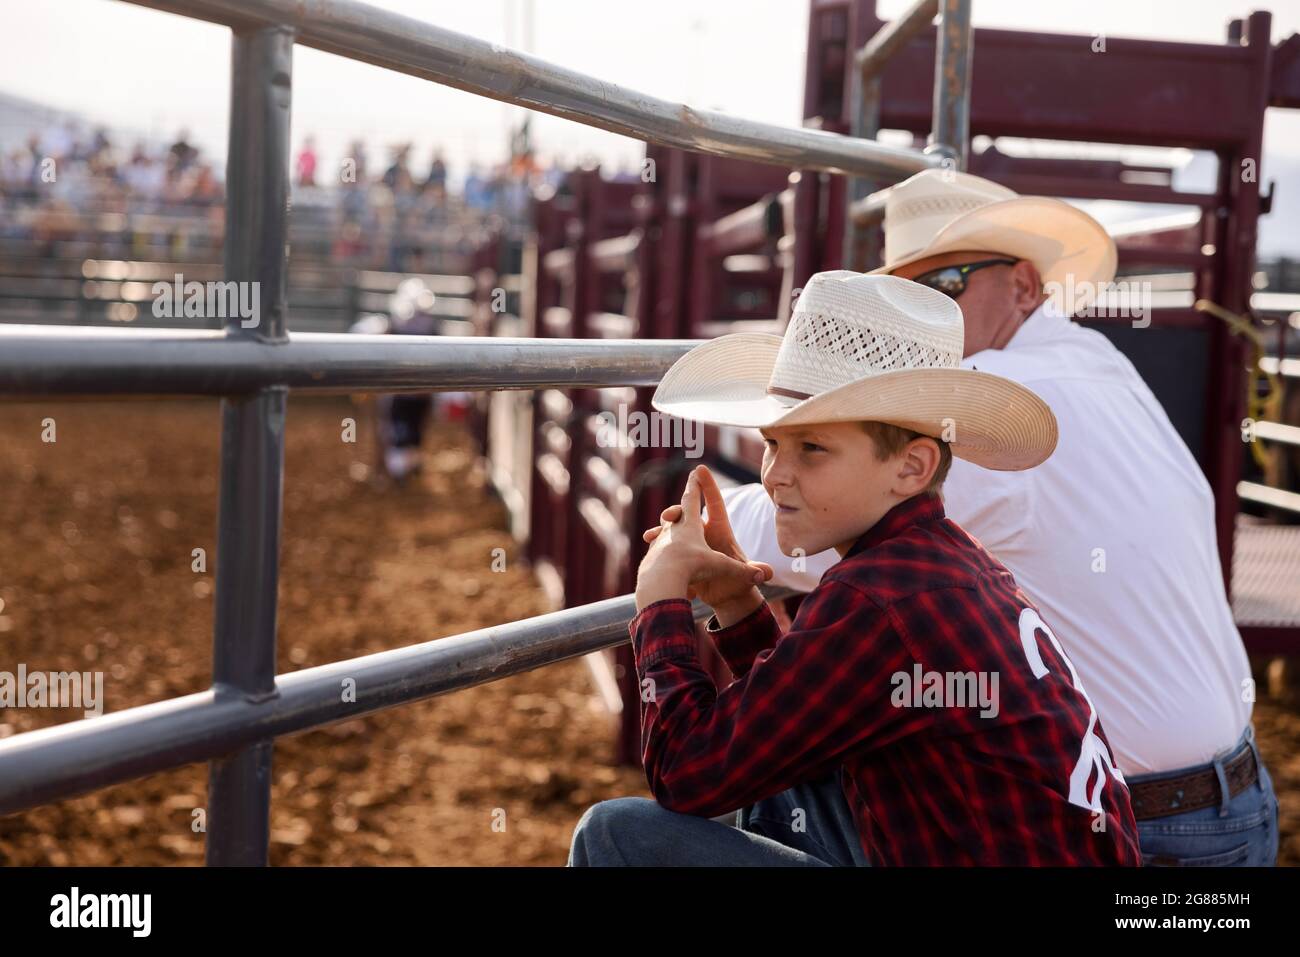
(818, 693)
(740, 641)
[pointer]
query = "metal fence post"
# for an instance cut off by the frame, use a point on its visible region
(252, 436)
(952, 69)
(861, 241)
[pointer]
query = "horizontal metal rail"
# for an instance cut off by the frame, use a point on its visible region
(872, 59)
(1278, 432)
(1286, 368)
(70, 759)
(1267, 495)
(868, 210)
(78, 360)
(749, 227)
(407, 45)
(395, 42)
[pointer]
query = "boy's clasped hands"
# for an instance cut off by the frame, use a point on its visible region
(691, 557)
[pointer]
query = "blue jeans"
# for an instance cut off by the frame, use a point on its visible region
(808, 825)
(1240, 832)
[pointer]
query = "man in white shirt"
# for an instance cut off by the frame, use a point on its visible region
(1112, 537)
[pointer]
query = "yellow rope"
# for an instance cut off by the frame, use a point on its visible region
(1260, 408)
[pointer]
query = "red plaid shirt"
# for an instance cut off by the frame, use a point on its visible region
(935, 773)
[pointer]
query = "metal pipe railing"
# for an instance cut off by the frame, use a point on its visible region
(253, 363)
(950, 133)
(362, 32)
(244, 614)
(951, 110)
(69, 759)
(869, 210)
(78, 360)
(1267, 495)
(1278, 432)
(252, 438)
(871, 60)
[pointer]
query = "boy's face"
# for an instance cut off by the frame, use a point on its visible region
(828, 485)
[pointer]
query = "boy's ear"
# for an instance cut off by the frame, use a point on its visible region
(917, 464)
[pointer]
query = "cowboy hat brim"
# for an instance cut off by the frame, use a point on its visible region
(987, 419)
(1067, 246)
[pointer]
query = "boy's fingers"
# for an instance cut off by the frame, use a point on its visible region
(713, 500)
(719, 565)
(691, 499)
(671, 514)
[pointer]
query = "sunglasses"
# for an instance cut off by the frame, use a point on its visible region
(951, 280)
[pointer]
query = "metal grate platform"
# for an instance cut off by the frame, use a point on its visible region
(1266, 573)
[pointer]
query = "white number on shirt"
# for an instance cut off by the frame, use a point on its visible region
(1094, 753)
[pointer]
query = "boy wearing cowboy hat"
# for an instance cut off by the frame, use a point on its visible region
(917, 670)
(1113, 537)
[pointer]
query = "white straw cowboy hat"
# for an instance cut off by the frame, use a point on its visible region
(864, 347)
(946, 211)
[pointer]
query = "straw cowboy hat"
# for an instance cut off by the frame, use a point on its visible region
(864, 347)
(945, 211)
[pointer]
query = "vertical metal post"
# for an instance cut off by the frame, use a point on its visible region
(584, 230)
(252, 435)
(864, 122)
(952, 68)
(861, 243)
(1237, 230)
(807, 253)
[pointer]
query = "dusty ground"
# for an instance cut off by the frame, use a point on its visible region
(95, 573)
(96, 536)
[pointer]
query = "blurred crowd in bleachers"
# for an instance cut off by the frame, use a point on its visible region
(396, 212)
(414, 201)
(63, 165)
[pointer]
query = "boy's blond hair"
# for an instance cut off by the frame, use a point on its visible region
(891, 439)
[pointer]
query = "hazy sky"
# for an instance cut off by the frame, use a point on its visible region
(139, 69)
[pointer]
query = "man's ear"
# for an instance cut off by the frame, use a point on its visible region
(1026, 287)
(918, 462)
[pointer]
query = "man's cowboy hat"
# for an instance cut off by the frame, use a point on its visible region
(945, 211)
(864, 347)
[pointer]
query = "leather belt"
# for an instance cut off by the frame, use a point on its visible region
(1195, 790)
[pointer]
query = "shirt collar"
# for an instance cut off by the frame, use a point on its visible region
(917, 510)
(1043, 323)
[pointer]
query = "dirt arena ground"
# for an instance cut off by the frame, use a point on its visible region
(96, 573)
(97, 531)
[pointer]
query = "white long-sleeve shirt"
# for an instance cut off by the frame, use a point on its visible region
(1112, 538)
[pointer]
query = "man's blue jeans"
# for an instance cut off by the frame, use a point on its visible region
(808, 825)
(1241, 831)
